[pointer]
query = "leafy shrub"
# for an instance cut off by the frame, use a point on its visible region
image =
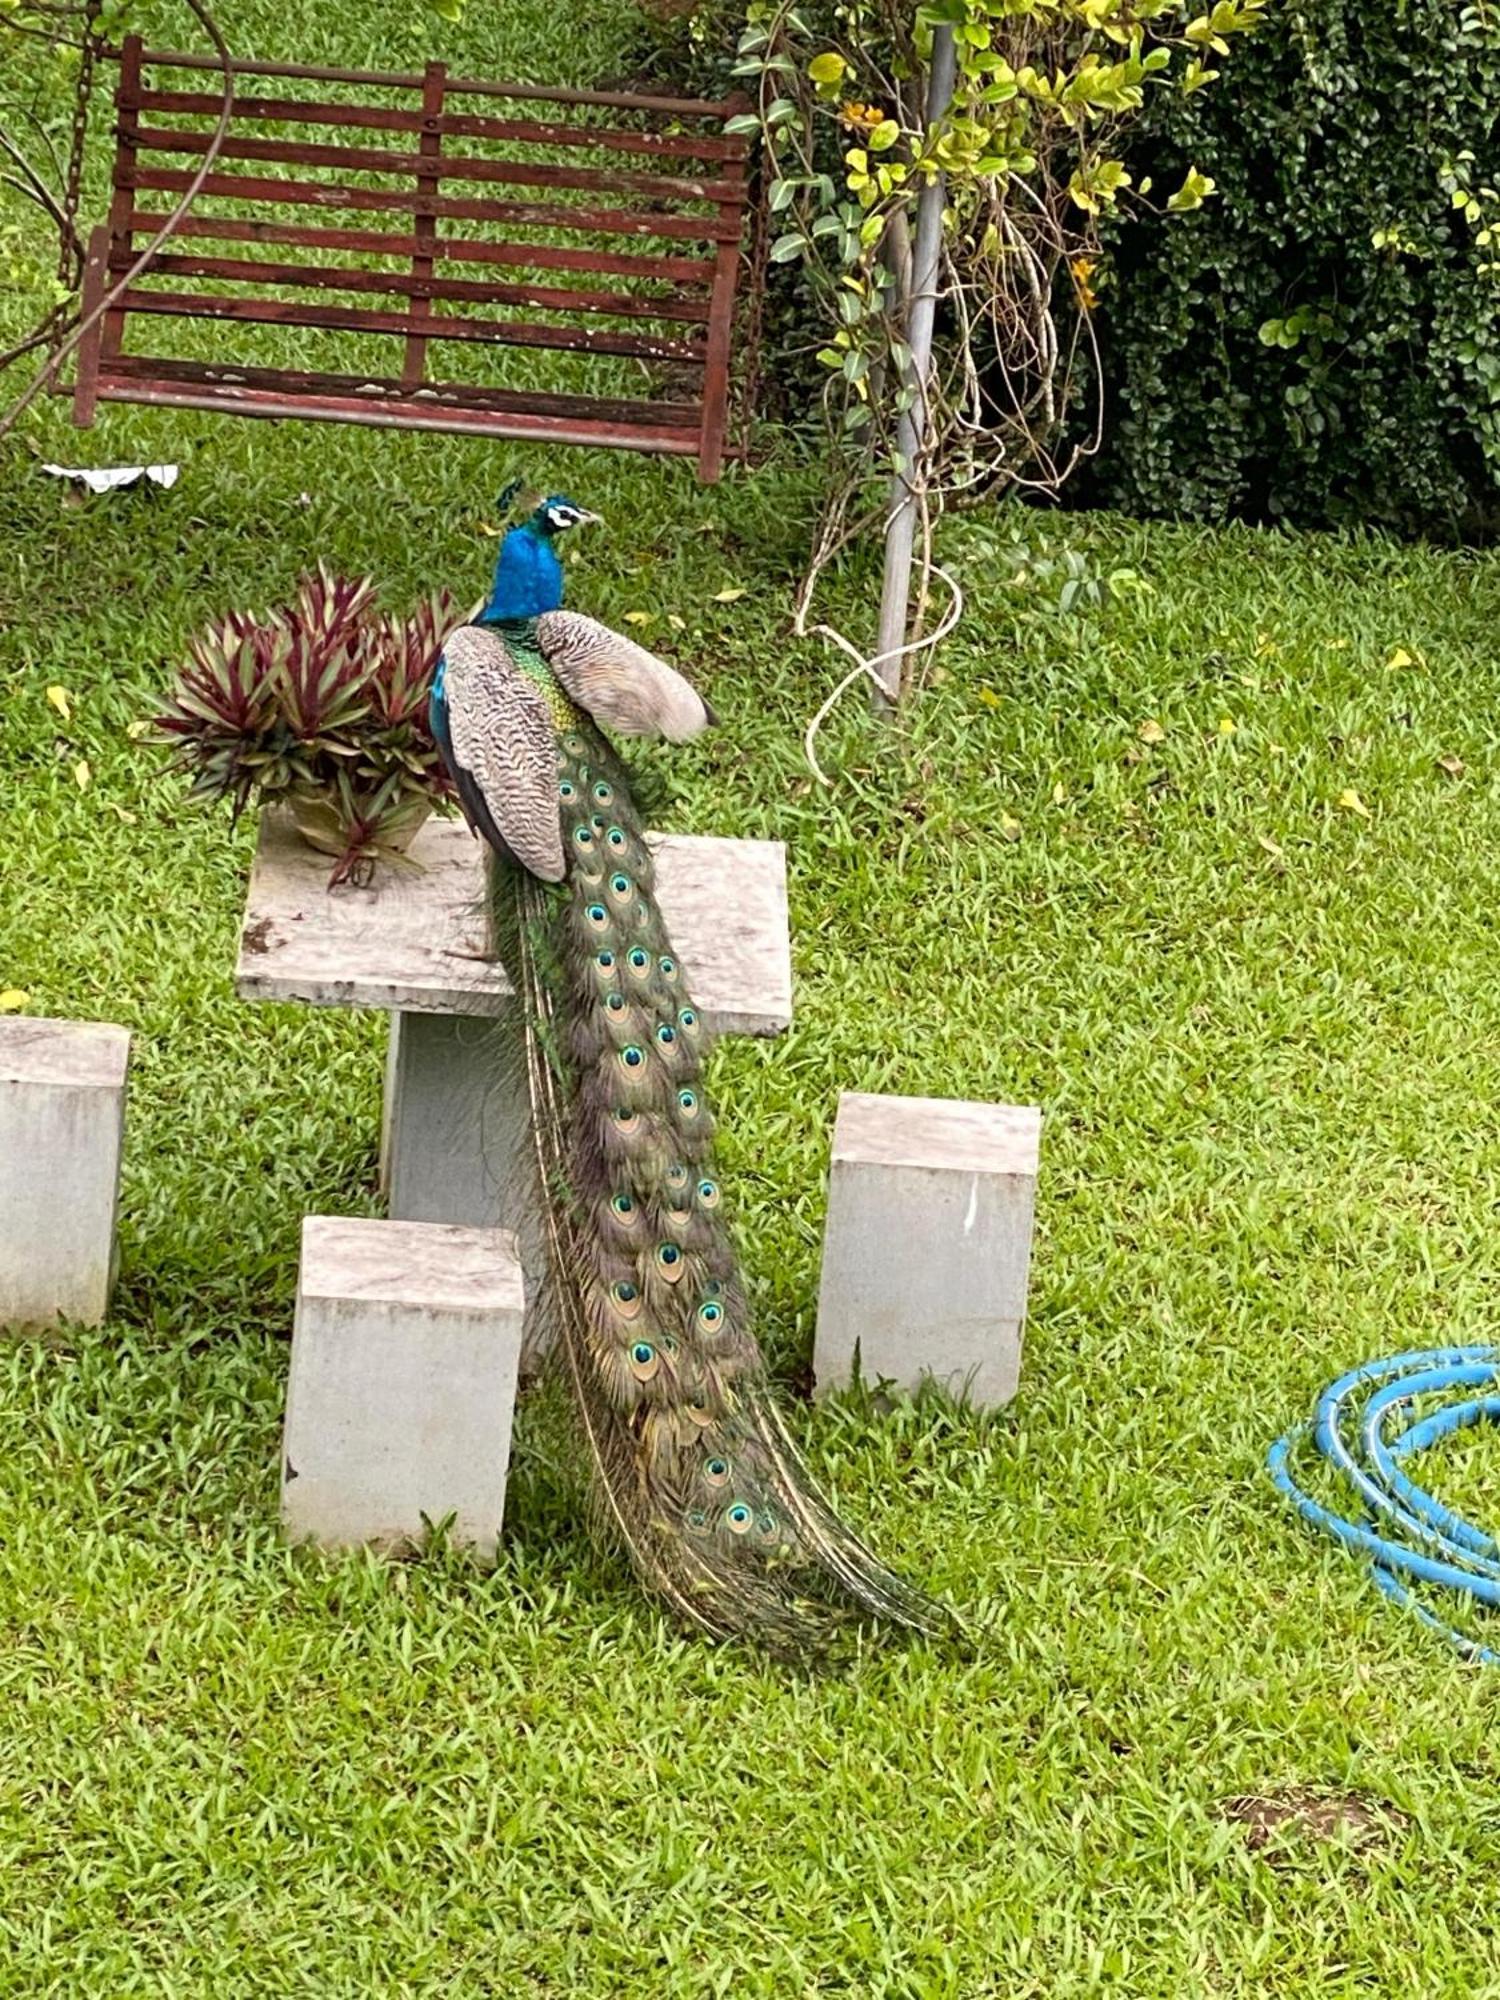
(1322, 342)
(321, 706)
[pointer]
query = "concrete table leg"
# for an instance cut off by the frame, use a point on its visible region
(402, 1385)
(927, 1252)
(62, 1121)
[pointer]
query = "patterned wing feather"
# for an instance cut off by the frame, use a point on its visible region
(504, 751)
(622, 686)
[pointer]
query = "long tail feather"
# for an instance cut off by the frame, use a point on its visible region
(695, 1474)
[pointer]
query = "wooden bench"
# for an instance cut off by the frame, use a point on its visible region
(600, 226)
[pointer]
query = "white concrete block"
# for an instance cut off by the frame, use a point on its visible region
(927, 1250)
(403, 1381)
(62, 1120)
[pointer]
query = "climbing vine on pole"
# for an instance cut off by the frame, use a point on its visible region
(1028, 154)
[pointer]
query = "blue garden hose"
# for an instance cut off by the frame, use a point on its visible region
(1409, 1536)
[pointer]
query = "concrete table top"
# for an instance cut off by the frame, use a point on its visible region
(417, 942)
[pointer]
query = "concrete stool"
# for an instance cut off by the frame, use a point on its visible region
(416, 945)
(62, 1119)
(928, 1244)
(403, 1382)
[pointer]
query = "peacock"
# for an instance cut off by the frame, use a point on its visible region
(693, 1470)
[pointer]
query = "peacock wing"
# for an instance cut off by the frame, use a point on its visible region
(623, 687)
(504, 751)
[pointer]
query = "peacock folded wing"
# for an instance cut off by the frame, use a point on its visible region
(622, 686)
(503, 750)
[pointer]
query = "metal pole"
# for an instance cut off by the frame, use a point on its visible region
(911, 425)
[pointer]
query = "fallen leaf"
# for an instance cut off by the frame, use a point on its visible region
(989, 697)
(137, 729)
(492, 534)
(1010, 828)
(58, 696)
(1227, 725)
(1400, 658)
(1151, 732)
(125, 818)
(1351, 801)
(82, 774)
(677, 624)
(731, 593)
(1277, 749)
(1265, 840)
(638, 617)
(1454, 766)
(11, 997)
(1059, 793)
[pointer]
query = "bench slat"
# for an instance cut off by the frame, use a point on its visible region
(542, 403)
(442, 326)
(468, 125)
(524, 214)
(387, 79)
(444, 166)
(545, 298)
(447, 249)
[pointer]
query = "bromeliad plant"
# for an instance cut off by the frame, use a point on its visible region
(320, 706)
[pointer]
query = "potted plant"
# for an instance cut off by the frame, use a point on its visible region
(320, 706)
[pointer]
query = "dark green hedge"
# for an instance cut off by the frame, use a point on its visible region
(1331, 125)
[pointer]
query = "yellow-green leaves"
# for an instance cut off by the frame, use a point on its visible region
(827, 70)
(12, 999)
(1195, 190)
(59, 698)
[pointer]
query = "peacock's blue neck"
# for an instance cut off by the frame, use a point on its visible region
(528, 578)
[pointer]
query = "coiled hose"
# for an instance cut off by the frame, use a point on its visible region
(1409, 1536)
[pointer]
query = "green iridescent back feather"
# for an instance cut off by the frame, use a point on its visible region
(694, 1471)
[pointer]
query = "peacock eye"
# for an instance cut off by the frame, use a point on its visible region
(765, 1523)
(643, 1360)
(686, 1018)
(688, 1099)
(676, 1175)
(708, 1193)
(603, 793)
(632, 1057)
(622, 1204)
(716, 1471)
(567, 789)
(669, 1260)
(615, 837)
(583, 836)
(697, 1520)
(597, 822)
(606, 960)
(710, 1315)
(597, 915)
(738, 1517)
(668, 967)
(666, 1036)
(574, 745)
(624, 1118)
(615, 1002)
(638, 961)
(620, 884)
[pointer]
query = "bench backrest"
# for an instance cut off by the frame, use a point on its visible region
(601, 229)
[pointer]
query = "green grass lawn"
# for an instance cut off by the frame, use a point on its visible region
(1248, 969)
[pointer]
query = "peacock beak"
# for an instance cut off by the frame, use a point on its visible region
(585, 517)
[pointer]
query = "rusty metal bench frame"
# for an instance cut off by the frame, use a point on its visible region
(678, 201)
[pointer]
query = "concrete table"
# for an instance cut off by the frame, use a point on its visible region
(416, 945)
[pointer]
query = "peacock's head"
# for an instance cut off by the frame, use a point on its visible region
(558, 513)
